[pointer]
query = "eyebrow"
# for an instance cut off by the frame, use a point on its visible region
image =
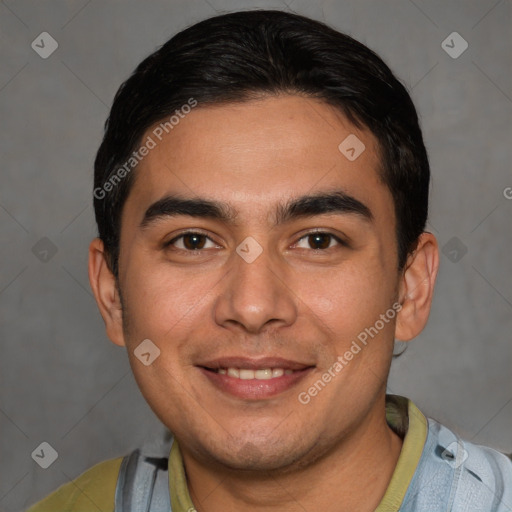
(332, 202)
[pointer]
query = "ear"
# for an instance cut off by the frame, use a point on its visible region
(104, 287)
(416, 288)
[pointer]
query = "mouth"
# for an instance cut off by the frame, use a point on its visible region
(249, 374)
(252, 379)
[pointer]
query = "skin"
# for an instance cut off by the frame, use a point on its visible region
(295, 301)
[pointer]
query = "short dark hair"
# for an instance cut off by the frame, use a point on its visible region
(239, 56)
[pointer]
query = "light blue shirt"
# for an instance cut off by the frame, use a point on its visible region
(457, 476)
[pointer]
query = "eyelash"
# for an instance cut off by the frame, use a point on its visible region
(198, 233)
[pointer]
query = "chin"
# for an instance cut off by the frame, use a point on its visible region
(279, 456)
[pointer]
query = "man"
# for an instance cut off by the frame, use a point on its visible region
(261, 195)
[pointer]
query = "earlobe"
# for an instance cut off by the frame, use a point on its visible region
(104, 287)
(417, 288)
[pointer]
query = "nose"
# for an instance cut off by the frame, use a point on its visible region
(256, 295)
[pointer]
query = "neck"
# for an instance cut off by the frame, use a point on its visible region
(352, 475)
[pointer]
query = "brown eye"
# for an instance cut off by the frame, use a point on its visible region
(319, 241)
(191, 242)
(194, 241)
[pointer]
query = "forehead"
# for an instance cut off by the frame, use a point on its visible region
(257, 153)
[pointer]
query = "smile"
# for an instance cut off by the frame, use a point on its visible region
(254, 379)
(249, 374)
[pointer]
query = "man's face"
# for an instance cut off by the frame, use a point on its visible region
(326, 272)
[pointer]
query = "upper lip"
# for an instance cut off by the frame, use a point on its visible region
(254, 363)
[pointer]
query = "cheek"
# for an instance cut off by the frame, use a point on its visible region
(349, 299)
(352, 287)
(157, 301)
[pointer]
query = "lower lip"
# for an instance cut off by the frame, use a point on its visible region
(254, 389)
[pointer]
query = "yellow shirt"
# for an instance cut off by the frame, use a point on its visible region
(95, 489)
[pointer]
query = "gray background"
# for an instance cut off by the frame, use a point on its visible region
(63, 382)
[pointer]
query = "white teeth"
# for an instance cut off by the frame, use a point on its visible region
(233, 372)
(248, 374)
(263, 374)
